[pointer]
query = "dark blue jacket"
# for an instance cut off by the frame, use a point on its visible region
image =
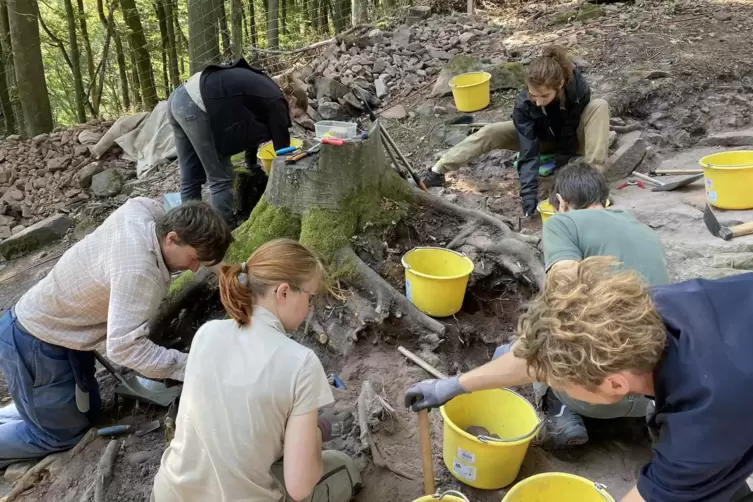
(245, 108)
(557, 123)
(704, 392)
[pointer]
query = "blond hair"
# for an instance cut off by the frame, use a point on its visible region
(553, 69)
(273, 263)
(591, 321)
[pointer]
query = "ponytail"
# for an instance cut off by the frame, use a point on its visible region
(273, 263)
(554, 68)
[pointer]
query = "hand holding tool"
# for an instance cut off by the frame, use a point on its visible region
(666, 187)
(726, 233)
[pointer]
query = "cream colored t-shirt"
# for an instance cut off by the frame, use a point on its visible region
(241, 386)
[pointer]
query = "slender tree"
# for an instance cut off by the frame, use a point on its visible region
(10, 72)
(203, 34)
(227, 51)
(236, 20)
(135, 84)
(159, 10)
(87, 43)
(140, 52)
(5, 103)
(109, 24)
(172, 52)
(24, 35)
(252, 23)
(273, 18)
(75, 61)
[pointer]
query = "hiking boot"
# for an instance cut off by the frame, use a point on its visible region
(432, 179)
(565, 428)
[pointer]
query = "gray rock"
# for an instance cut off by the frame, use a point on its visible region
(330, 88)
(415, 47)
(731, 138)
(467, 37)
(379, 66)
(440, 110)
(58, 163)
(39, 138)
(381, 87)
(315, 116)
(722, 16)
(581, 63)
(107, 183)
(332, 111)
(631, 148)
(40, 234)
(5, 232)
(395, 113)
(17, 229)
(437, 54)
(506, 76)
(426, 110)
(6, 220)
(402, 36)
(86, 173)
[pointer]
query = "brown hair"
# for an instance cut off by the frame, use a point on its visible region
(553, 69)
(273, 263)
(591, 321)
(580, 185)
(198, 225)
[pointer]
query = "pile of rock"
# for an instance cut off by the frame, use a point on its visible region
(395, 63)
(55, 173)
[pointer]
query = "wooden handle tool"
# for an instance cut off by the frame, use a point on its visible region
(424, 440)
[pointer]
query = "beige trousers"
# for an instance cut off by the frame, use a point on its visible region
(593, 140)
(338, 483)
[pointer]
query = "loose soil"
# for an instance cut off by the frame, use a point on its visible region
(707, 90)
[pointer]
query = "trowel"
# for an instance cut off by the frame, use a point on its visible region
(141, 388)
(660, 186)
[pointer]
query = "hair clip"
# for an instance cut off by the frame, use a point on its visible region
(242, 276)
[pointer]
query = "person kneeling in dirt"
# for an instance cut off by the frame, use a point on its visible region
(555, 114)
(600, 334)
(248, 425)
(219, 112)
(583, 228)
(105, 288)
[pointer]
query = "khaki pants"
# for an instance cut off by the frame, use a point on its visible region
(338, 483)
(593, 140)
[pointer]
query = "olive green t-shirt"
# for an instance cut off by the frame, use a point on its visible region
(580, 234)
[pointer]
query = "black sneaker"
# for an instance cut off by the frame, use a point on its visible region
(432, 179)
(565, 428)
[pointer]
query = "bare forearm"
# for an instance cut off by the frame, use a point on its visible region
(505, 371)
(633, 496)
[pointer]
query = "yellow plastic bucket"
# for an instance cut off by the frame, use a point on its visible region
(435, 279)
(471, 91)
(267, 153)
(448, 496)
(557, 487)
(729, 178)
(485, 462)
(546, 210)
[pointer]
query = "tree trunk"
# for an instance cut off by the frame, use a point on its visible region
(24, 35)
(236, 20)
(273, 18)
(283, 17)
(339, 10)
(227, 50)
(252, 23)
(181, 44)
(172, 51)
(359, 11)
(109, 24)
(203, 36)
(78, 84)
(10, 69)
(135, 84)
(140, 52)
(313, 10)
(159, 9)
(87, 43)
(5, 103)
(323, 17)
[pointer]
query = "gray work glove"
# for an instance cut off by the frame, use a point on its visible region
(433, 393)
(334, 425)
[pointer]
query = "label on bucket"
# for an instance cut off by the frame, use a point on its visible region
(711, 194)
(466, 456)
(709, 183)
(407, 289)
(463, 471)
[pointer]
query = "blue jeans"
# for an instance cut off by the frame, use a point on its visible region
(44, 417)
(199, 160)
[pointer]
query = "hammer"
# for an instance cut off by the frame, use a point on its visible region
(726, 233)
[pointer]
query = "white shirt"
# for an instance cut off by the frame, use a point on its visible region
(193, 88)
(241, 386)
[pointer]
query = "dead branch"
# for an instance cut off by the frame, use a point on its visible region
(105, 469)
(29, 479)
(388, 298)
(366, 399)
(336, 39)
(90, 436)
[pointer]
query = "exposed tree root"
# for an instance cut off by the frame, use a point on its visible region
(388, 301)
(371, 407)
(105, 469)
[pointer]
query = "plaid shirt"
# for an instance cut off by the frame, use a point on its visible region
(107, 287)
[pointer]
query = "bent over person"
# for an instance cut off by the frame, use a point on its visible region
(249, 425)
(105, 288)
(221, 111)
(554, 114)
(600, 334)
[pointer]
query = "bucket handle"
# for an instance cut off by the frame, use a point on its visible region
(407, 267)
(534, 431)
(440, 496)
(602, 489)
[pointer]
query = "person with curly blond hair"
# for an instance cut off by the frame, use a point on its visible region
(600, 333)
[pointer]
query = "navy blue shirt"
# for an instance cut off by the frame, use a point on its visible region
(704, 392)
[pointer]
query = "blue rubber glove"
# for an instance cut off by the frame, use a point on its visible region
(502, 350)
(433, 393)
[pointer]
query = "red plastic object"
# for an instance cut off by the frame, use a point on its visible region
(333, 141)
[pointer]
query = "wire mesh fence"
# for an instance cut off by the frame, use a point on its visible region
(104, 58)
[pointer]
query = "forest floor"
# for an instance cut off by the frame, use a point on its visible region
(703, 48)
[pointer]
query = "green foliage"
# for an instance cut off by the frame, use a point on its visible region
(179, 282)
(266, 222)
